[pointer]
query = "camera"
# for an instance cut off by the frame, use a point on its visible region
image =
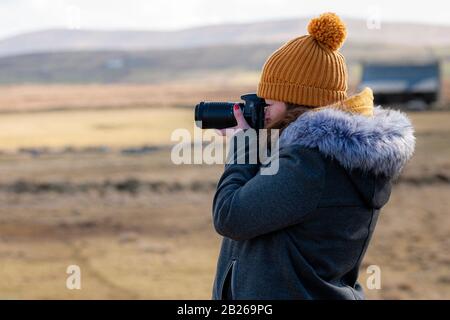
(219, 115)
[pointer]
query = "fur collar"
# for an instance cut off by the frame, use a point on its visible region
(381, 144)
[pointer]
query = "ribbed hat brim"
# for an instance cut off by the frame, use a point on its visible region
(299, 94)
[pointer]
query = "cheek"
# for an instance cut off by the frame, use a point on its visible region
(278, 111)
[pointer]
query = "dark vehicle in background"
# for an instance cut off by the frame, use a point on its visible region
(414, 86)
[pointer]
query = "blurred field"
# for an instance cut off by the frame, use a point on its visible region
(222, 86)
(33, 98)
(140, 226)
(95, 127)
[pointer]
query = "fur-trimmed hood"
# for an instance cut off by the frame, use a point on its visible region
(381, 144)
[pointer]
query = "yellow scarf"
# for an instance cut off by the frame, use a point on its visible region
(360, 103)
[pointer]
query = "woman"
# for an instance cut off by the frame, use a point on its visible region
(303, 232)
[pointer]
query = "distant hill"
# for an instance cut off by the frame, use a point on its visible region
(56, 40)
(129, 66)
(83, 56)
(153, 66)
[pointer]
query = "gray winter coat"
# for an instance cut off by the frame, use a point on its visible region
(303, 232)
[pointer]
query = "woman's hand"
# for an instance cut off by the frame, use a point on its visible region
(241, 123)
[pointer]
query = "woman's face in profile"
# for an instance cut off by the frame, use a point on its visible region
(275, 111)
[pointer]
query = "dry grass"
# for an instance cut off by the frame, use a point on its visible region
(92, 128)
(63, 97)
(126, 247)
(220, 87)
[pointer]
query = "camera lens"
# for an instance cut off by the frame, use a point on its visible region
(217, 115)
(199, 112)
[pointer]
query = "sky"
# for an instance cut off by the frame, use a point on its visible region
(18, 16)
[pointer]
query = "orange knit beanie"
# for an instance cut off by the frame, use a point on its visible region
(308, 70)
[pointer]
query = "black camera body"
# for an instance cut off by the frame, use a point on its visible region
(219, 115)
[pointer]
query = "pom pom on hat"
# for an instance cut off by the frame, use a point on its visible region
(328, 29)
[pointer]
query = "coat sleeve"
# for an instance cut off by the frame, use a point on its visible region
(248, 204)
